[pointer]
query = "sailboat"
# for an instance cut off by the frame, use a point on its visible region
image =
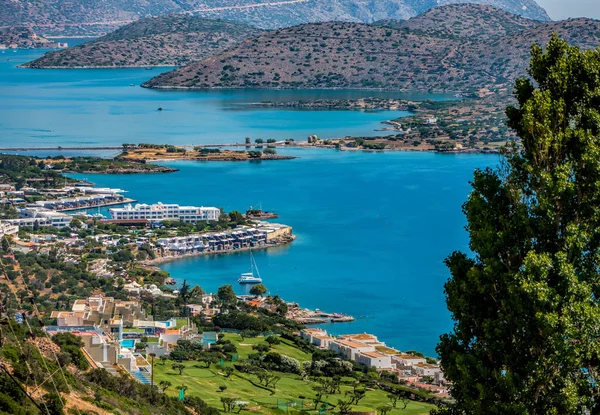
(249, 277)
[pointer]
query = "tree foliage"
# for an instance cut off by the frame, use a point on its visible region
(525, 306)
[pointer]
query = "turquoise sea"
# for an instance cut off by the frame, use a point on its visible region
(373, 228)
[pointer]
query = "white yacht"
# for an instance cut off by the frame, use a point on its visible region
(250, 277)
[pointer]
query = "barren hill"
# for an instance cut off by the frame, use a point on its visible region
(415, 57)
(464, 21)
(168, 40)
(86, 17)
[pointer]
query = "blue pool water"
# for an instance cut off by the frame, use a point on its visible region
(128, 343)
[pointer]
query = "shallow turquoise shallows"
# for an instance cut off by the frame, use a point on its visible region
(86, 107)
(373, 229)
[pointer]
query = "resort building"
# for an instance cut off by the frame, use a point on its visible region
(365, 338)
(349, 349)
(7, 228)
(105, 312)
(29, 216)
(425, 369)
(163, 212)
(407, 361)
(317, 337)
(375, 359)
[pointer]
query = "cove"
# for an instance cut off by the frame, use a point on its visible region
(372, 232)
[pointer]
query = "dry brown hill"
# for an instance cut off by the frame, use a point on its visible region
(93, 17)
(418, 56)
(471, 21)
(170, 40)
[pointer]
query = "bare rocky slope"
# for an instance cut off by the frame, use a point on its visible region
(468, 21)
(23, 38)
(170, 40)
(421, 54)
(90, 17)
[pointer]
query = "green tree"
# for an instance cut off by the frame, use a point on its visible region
(344, 407)
(273, 340)
(164, 385)
(258, 290)
(525, 305)
(180, 367)
(236, 217)
(226, 294)
(53, 404)
(6, 244)
(384, 409)
(261, 348)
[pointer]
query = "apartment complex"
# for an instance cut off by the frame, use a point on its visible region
(160, 212)
(30, 216)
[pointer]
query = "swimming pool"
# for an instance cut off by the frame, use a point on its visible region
(128, 343)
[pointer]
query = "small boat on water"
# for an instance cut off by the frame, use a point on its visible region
(249, 277)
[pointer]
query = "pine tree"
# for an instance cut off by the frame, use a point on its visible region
(526, 338)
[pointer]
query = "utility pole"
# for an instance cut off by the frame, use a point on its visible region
(152, 355)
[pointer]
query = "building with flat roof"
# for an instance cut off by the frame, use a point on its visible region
(349, 349)
(7, 228)
(29, 216)
(375, 359)
(365, 338)
(160, 212)
(317, 337)
(407, 361)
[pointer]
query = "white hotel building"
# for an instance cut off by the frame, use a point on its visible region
(160, 212)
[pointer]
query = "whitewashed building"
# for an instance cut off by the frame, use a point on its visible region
(375, 359)
(407, 361)
(43, 217)
(317, 337)
(7, 228)
(425, 369)
(349, 349)
(163, 212)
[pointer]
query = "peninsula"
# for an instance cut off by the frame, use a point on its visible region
(142, 153)
(471, 125)
(23, 37)
(454, 48)
(170, 40)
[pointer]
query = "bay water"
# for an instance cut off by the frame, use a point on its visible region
(373, 228)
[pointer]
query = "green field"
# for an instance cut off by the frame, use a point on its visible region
(203, 382)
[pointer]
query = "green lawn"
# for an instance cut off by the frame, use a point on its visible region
(205, 383)
(286, 347)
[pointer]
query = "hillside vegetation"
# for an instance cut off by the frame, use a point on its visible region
(421, 54)
(472, 21)
(23, 38)
(161, 41)
(86, 17)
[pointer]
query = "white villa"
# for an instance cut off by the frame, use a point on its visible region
(160, 212)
